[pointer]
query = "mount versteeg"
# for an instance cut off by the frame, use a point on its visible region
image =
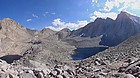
(113, 31)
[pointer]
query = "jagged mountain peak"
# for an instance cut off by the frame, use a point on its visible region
(47, 30)
(65, 30)
(123, 15)
(12, 29)
(10, 23)
(123, 12)
(109, 18)
(7, 19)
(99, 19)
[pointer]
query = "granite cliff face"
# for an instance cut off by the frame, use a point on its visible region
(113, 31)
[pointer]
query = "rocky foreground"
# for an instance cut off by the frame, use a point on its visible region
(94, 69)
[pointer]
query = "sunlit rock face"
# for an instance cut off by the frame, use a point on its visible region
(15, 39)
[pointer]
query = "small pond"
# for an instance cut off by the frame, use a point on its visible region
(10, 58)
(83, 53)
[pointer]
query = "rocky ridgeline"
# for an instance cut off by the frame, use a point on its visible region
(85, 69)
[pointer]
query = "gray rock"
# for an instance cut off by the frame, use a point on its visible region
(4, 75)
(129, 76)
(27, 75)
(60, 76)
(54, 73)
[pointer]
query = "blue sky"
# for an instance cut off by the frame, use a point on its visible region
(58, 14)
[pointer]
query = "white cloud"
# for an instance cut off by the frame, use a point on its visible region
(54, 28)
(98, 14)
(58, 25)
(35, 16)
(122, 4)
(28, 20)
(94, 1)
(45, 13)
(58, 22)
(109, 5)
(82, 23)
(136, 6)
(110, 8)
(77, 25)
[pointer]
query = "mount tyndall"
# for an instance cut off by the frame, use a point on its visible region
(105, 48)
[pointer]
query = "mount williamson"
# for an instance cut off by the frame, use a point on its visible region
(113, 31)
(29, 53)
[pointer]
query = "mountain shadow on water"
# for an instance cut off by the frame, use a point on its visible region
(10, 58)
(83, 53)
